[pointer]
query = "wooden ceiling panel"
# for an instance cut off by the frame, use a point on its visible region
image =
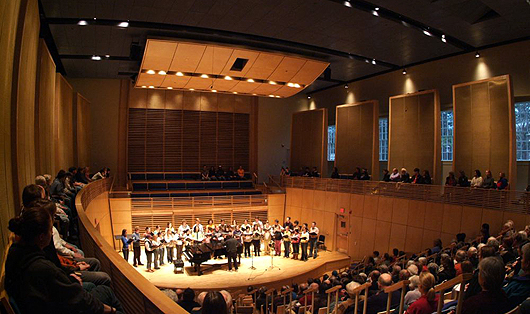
(287, 69)
(187, 57)
(175, 81)
(194, 59)
(149, 80)
(214, 60)
(243, 54)
(199, 83)
(158, 55)
(264, 65)
(309, 72)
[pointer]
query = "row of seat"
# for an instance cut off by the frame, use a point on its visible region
(193, 193)
(194, 185)
(148, 176)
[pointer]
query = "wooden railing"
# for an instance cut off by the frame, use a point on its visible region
(136, 293)
(176, 203)
(509, 200)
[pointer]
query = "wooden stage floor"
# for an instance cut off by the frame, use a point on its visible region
(285, 272)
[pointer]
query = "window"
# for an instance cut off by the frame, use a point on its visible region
(383, 139)
(447, 135)
(522, 128)
(331, 143)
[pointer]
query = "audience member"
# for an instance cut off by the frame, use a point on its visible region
(404, 177)
(463, 180)
(476, 181)
(386, 176)
(394, 177)
(426, 304)
(450, 180)
(416, 177)
(503, 182)
(488, 182)
(426, 177)
(518, 289)
(335, 174)
(188, 300)
(214, 303)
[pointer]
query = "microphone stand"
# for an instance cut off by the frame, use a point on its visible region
(252, 261)
(272, 261)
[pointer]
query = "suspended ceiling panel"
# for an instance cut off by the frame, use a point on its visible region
(169, 64)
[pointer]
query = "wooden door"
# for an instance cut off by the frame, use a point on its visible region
(343, 232)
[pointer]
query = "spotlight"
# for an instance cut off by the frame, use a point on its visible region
(347, 3)
(192, 89)
(254, 94)
(277, 96)
(151, 86)
(272, 82)
(143, 86)
(170, 87)
(250, 80)
(234, 92)
(95, 19)
(179, 74)
(443, 39)
(214, 91)
(373, 62)
(346, 86)
(204, 76)
(290, 84)
(477, 55)
(296, 85)
(107, 56)
(123, 24)
(271, 96)
(377, 9)
(162, 73)
(228, 78)
(426, 32)
(308, 96)
(150, 72)
(96, 58)
(82, 23)
(404, 71)
(374, 13)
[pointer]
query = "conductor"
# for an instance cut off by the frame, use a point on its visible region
(231, 251)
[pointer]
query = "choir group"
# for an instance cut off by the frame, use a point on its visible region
(253, 238)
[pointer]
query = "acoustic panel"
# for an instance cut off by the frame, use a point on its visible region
(484, 127)
(308, 139)
(357, 137)
(414, 132)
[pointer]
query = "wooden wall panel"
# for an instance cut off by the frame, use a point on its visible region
(308, 139)
(357, 137)
(26, 63)
(64, 123)
(82, 131)
(484, 127)
(44, 120)
(414, 132)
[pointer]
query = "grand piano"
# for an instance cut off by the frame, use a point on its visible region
(199, 253)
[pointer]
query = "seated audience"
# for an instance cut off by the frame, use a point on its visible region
(101, 174)
(405, 177)
(211, 173)
(241, 173)
(447, 272)
(503, 182)
(416, 177)
(306, 172)
(335, 174)
(220, 173)
(476, 181)
(437, 246)
(188, 300)
(214, 303)
(414, 293)
(357, 174)
(426, 304)
(426, 177)
(386, 176)
(230, 175)
(450, 180)
(205, 174)
(36, 284)
(462, 180)
(488, 182)
(518, 288)
(364, 174)
(315, 173)
(377, 302)
(492, 299)
(394, 177)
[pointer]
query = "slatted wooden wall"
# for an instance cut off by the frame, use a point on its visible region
(308, 139)
(166, 140)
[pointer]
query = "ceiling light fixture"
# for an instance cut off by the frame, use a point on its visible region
(296, 85)
(123, 24)
(374, 13)
(277, 96)
(82, 23)
(162, 73)
(169, 87)
(373, 62)
(290, 84)
(143, 86)
(346, 86)
(347, 3)
(254, 94)
(271, 96)
(272, 82)
(228, 78)
(204, 76)
(150, 72)
(107, 56)
(404, 71)
(443, 39)
(234, 92)
(214, 91)
(250, 81)
(179, 74)
(96, 58)
(95, 19)
(151, 86)
(426, 32)
(477, 55)
(192, 89)
(308, 96)
(377, 8)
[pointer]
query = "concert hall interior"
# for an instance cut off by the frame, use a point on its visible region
(273, 156)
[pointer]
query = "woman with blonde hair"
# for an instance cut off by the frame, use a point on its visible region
(426, 304)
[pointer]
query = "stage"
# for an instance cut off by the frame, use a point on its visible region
(285, 271)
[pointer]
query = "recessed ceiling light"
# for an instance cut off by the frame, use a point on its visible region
(296, 85)
(204, 76)
(377, 9)
(234, 92)
(143, 86)
(214, 91)
(179, 74)
(107, 56)
(367, 61)
(373, 62)
(308, 96)
(477, 55)
(162, 72)
(95, 19)
(347, 3)
(250, 80)
(277, 96)
(82, 23)
(254, 94)
(346, 86)
(375, 13)
(228, 78)
(290, 84)
(151, 86)
(426, 32)
(192, 89)
(272, 82)
(150, 72)
(404, 71)
(123, 24)
(96, 58)
(444, 40)
(169, 87)
(271, 96)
